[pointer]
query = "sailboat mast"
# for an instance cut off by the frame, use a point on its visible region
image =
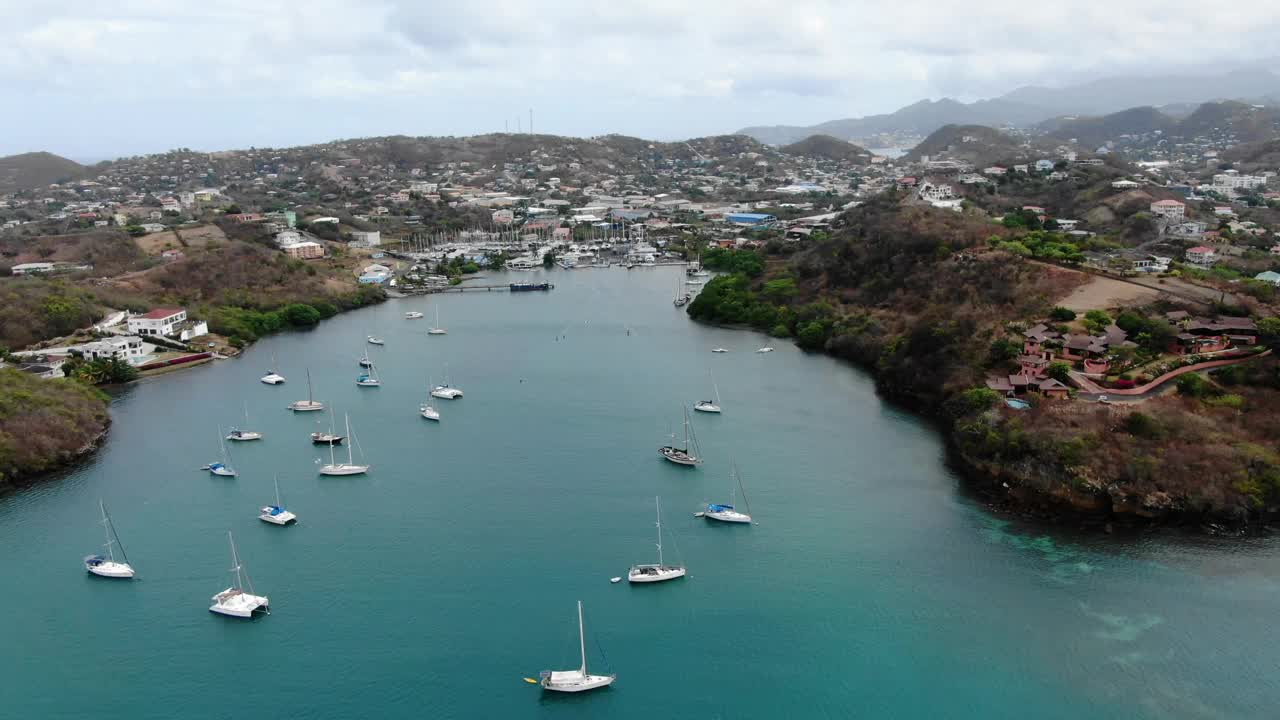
(106, 527)
(277, 479)
(349, 438)
(658, 506)
(235, 561)
(582, 639)
(309, 398)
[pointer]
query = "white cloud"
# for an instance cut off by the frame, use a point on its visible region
(665, 67)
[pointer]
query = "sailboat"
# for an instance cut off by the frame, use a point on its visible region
(222, 468)
(427, 411)
(349, 467)
(661, 571)
(707, 406)
(437, 329)
(681, 299)
(276, 514)
(234, 601)
(364, 359)
(272, 377)
(107, 566)
(687, 455)
(238, 435)
(725, 512)
(369, 378)
(321, 437)
(575, 680)
(446, 391)
(308, 405)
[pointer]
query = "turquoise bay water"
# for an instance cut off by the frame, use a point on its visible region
(871, 587)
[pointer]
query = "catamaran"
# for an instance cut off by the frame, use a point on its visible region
(574, 680)
(223, 467)
(437, 329)
(708, 406)
(107, 566)
(234, 601)
(726, 512)
(446, 391)
(426, 410)
(687, 455)
(661, 571)
(310, 404)
(238, 435)
(272, 377)
(349, 467)
(276, 514)
(369, 378)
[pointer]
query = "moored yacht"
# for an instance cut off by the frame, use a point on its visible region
(108, 566)
(710, 406)
(221, 468)
(308, 405)
(579, 680)
(238, 435)
(349, 467)
(726, 512)
(321, 437)
(412, 315)
(437, 329)
(375, 340)
(687, 455)
(656, 572)
(276, 514)
(272, 377)
(234, 601)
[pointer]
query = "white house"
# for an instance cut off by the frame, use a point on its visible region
(1202, 255)
(129, 348)
(161, 321)
(1171, 210)
(31, 268)
(1044, 165)
(366, 238)
(1124, 185)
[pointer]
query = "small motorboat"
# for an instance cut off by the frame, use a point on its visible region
(719, 350)
(376, 340)
(615, 580)
(765, 350)
(412, 315)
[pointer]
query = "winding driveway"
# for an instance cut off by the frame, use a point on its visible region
(1094, 392)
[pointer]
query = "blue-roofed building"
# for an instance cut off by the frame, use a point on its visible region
(752, 219)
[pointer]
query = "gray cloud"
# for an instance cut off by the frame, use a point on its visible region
(660, 67)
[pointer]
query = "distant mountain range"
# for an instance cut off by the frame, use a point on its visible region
(1233, 121)
(34, 169)
(1029, 106)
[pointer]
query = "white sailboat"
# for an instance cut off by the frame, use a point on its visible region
(726, 512)
(239, 435)
(369, 378)
(709, 406)
(446, 391)
(579, 680)
(276, 514)
(107, 566)
(310, 404)
(364, 359)
(687, 455)
(349, 467)
(272, 377)
(659, 572)
(234, 601)
(426, 410)
(223, 467)
(437, 329)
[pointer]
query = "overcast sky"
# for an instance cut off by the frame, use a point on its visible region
(96, 79)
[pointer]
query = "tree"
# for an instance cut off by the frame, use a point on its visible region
(780, 290)
(1061, 314)
(1002, 351)
(1060, 371)
(1193, 385)
(1269, 330)
(1096, 321)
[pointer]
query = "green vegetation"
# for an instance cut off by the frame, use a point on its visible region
(45, 424)
(243, 325)
(1061, 314)
(1041, 245)
(103, 371)
(746, 262)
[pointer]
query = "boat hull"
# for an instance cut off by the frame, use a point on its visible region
(728, 517)
(678, 457)
(272, 379)
(343, 469)
(589, 682)
(113, 570)
(707, 407)
(446, 393)
(326, 439)
(283, 518)
(233, 603)
(244, 436)
(306, 406)
(430, 414)
(645, 574)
